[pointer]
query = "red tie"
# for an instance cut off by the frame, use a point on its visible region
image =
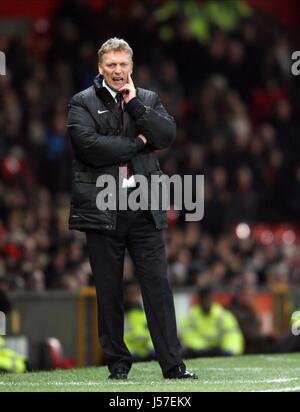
(125, 167)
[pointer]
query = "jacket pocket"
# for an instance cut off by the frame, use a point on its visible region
(85, 191)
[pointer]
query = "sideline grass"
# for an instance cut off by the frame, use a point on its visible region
(237, 374)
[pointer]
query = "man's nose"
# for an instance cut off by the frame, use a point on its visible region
(118, 69)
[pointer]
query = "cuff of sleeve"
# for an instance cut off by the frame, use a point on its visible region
(136, 108)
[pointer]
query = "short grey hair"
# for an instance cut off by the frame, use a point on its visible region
(114, 44)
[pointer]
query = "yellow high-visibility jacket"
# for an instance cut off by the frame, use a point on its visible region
(10, 361)
(136, 333)
(216, 329)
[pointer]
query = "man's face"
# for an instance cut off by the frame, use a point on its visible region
(206, 303)
(115, 67)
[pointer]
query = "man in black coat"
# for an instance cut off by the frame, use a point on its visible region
(114, 129)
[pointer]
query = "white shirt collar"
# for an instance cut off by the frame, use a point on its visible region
(111, 91)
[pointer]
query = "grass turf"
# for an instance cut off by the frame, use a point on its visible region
(235, 374)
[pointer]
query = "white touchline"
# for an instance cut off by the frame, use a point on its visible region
(55, 383)
(97, 383)
(250, 381)
(251, 369)
(295, 388)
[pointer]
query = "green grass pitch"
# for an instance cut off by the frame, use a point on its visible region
(267, 373)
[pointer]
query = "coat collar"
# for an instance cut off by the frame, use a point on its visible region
(104, 94)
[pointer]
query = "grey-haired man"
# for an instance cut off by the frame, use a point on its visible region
(115, 129)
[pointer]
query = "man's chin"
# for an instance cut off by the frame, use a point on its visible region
(115, 88)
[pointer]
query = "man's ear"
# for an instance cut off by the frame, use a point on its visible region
(100, 70)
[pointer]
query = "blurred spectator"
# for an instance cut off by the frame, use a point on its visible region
(210, 330)
(136, 333)
(10, 361)
(243, 307)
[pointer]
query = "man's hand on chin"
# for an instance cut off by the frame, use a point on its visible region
(128, 90)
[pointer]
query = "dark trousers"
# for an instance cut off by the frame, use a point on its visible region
(145, 244)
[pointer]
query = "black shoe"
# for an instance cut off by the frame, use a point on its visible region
(118, 373)
(180, 372)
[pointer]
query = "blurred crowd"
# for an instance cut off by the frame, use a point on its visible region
(237, 110)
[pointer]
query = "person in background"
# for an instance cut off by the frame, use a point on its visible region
(210, 330)
(136, 333)
(243, 308)
(256, 342)
(10, 361)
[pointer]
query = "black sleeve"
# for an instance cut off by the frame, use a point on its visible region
(5, 303)
(93, 148)
(155, 123)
